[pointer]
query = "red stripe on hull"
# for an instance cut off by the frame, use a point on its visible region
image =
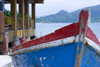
(64, 32)
(92, 36)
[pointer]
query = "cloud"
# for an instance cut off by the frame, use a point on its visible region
(54, 6)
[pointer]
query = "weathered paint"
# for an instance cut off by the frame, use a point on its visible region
(92, 44)
(45, 45)
(90, 57)
(92, 36)
(64, 32)
(59, 56)
(56, 50)
(82, 32)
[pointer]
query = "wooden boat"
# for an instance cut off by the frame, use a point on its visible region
(74, 45)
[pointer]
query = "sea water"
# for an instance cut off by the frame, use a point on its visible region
(46, 28)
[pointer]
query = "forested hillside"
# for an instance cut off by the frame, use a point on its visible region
(66, 17)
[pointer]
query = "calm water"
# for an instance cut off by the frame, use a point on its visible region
(46, 28)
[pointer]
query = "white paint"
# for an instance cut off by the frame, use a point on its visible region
(45, 45)
(89, 17)
(56, 43)
(41, 61)
(77, 38)
(44, 58)
(92, 44)
(40, 58)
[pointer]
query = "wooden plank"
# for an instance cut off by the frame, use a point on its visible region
(10, 36)
(13, 9)
(2, 24)
(19, 33)
(28, 32)
(32, 32)
(38, 1)
(83, 18)
(27, 12)
(33, 14)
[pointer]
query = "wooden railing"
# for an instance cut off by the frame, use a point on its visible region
(31, 23)
(9, 27)
(6, 27)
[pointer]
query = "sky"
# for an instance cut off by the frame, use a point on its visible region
(54, 6)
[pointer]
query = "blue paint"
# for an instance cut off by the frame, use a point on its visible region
(80, 47)
(90, 58)
(59, 56)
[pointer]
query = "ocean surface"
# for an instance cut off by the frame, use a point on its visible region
(46, 28)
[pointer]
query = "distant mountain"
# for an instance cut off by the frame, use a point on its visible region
(65, 17)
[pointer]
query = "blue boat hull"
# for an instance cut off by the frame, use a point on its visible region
(90, 57)
(74, 45)
(59, 56)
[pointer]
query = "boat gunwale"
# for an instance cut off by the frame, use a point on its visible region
(64, 41)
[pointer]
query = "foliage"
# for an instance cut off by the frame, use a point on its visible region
(30, 17)
(18, 17)
(8, 13)
(39, 20)
(25, 15)
(9, 18)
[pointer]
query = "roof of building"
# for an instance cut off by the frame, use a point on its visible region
(30, 1)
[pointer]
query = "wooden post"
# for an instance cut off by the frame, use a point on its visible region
(2, 23)
(13, 9)
(21, 11)
(27, 12)
(33, 13)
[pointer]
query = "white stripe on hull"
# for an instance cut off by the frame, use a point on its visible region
(56, 43)
(45, 45)
(93, 44)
